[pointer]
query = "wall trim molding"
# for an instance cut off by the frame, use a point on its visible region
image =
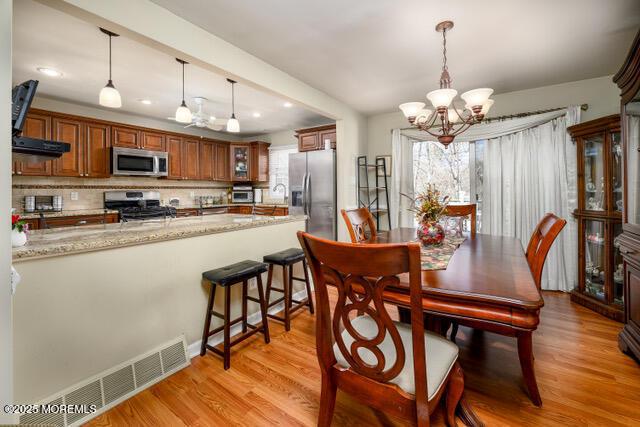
(119, 187)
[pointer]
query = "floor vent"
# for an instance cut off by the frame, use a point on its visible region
(113, 386)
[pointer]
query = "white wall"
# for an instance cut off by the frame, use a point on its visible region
(6, 327)
(285, 137)
(600, 93)
(60, 106)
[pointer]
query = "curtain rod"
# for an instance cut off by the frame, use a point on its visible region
(583, 107)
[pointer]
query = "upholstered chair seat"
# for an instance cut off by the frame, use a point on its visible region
(441, 354)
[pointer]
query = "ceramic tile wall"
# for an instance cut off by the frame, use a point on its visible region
(90, 191)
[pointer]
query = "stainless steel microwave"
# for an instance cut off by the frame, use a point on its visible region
(242, 194)
(131, 161)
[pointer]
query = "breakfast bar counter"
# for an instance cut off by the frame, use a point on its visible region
(70, 240)
(93, 297)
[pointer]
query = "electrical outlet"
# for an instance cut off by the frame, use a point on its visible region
(192, 194)
(74, 195)
(253, 284)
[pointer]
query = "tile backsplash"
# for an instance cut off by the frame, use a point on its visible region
(90, 191)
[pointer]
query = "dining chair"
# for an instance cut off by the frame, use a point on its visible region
(360, 224)
(538, 248)
(461, 211)
(540, 243)
(392, 367)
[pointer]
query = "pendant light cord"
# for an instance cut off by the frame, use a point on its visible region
(109, 57)
(183, 82)
(233, 101)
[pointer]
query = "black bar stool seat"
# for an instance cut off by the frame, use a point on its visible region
(235, 273)
(226, 277)
(287, 258)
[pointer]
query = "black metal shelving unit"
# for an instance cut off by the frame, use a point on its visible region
(380, 190)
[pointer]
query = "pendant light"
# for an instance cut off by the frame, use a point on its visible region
(183, 114)
(233, 125)
(109, 95)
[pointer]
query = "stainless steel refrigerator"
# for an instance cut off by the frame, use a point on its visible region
(312, 190)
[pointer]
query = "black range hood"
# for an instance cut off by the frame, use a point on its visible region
(22, 147)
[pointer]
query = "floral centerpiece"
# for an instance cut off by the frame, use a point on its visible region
(429, 207)
(19, 228)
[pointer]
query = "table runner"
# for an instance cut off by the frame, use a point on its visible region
(436, 257)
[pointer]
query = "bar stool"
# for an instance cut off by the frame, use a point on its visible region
(287, 258)
(226, 277)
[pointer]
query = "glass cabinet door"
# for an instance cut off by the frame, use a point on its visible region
(595, 255)
(618, 273)
(632, 121)
(617, 177)
(594, 186)
(240, 162)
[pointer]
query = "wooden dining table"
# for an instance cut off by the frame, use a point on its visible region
(487, 285)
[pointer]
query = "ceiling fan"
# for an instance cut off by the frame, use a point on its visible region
(203, 120)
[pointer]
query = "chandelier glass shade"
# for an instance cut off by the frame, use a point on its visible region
(446, 120)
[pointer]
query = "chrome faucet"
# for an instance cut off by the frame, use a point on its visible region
(284, 187)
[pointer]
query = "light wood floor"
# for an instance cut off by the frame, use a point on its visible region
(584, 380)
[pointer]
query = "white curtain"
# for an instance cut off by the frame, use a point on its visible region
(402, 179)
(527, 174)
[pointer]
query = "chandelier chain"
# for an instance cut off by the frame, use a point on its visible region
(444, 50)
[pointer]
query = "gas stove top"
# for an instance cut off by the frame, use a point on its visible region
(137, 205)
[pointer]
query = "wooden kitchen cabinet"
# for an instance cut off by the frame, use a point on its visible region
(125, 137)
(36, 126)
(72, 221)
(240, 159)
(207, 161)
(184, 158)
(69, 131)
(174, 148)
(242, 210)
(222, 170)
(311, 139)
(191, 158)
(181, 213)
(152, 141)
(259, 164)
(97, 158)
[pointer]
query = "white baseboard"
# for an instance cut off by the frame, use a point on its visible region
(193, 349)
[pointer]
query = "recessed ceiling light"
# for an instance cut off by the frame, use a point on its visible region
(288, 105)
(49, 71)
(145, 101)
(256, 114)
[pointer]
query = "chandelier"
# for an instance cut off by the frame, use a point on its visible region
(446, 121)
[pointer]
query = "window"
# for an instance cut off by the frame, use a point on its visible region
(279, 170)
(455, 171)
(446, 168)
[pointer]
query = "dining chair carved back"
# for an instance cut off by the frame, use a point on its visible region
(392, 367)
(360, 224)
(540, 243)
(459, 212)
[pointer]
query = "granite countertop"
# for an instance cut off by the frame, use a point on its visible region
(224, 205)
(72, 212)
(72, 240)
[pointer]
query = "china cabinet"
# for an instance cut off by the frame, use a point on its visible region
(599, 215)
(628, 80)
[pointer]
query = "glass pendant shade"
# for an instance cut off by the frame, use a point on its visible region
(110, 97)
(233, 125)
(477, 97)
(452, 116)
(487, 106)
(423, 116)
(441, 97)
(411, 109)
(183, 114)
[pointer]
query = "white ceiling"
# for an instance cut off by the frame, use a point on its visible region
(45, 37)
(376, 54)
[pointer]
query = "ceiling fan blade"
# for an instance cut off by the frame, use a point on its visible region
(189, 125)
(215, 127)
(220, 122)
